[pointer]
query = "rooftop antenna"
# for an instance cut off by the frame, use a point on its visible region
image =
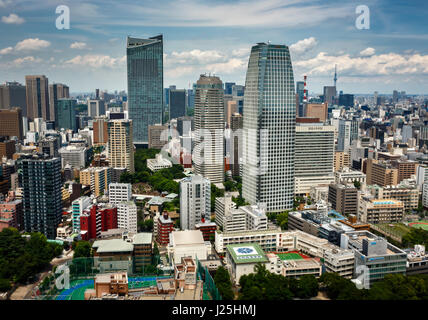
(335, 74)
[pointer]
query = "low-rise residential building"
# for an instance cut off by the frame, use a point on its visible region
(380, 210)
(406, 194)
(207, 228)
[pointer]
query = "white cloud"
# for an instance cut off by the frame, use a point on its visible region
(32, 44)
(78, 45)
(13, 19)
(375, 65)
(25, 60)
(368, 52)
(96, 61)
(6, 50)
(303, 46)
(196, 56)
(242, 52)
(4, 3)
(228, 67)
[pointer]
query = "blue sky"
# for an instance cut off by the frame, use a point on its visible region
(216, 36)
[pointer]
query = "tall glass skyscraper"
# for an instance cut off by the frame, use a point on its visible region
(145, 84)
(269, 128)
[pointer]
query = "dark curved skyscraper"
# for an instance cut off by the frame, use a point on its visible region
(269, 128)
(145, 84)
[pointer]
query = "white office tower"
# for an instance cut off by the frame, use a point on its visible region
(344, 136)
(425, 195)
(313, 157)
(127, 216)
(195, 201)
(209, 129)
(119, 192)
(269, 128)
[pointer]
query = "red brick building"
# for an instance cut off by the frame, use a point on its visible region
(165, 227)
(207, 228)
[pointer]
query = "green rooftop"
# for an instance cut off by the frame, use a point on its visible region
(246, 253)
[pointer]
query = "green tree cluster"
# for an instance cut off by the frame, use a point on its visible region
(82, 249)
(264, 285)
(161, 180)
(21, 258)
(392, 287)
(215, 193)
(223, 283)
(282, 220)
(146, 225)
(415, 236)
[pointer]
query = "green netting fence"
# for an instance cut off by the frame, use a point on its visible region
(210, 290)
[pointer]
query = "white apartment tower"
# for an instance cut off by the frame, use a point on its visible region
(195, 201)
(127, 216)
(120, 144)
(119, 192)
(209, 128)
(269, 128)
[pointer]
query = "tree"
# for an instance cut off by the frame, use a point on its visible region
(146, 225)
(82, 250)
(282, 220)
(155, 249)
(223, 283)
(339, 288)
(357, 184)
(308, 286)
(415, 236)
(5, 285)
(21, 259)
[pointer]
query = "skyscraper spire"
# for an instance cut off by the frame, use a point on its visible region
(335, 75)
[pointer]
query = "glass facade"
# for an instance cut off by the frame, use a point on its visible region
(145, 84)
(66, 114)
(269, 128)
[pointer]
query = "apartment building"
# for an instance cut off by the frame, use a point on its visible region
(380, 210)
